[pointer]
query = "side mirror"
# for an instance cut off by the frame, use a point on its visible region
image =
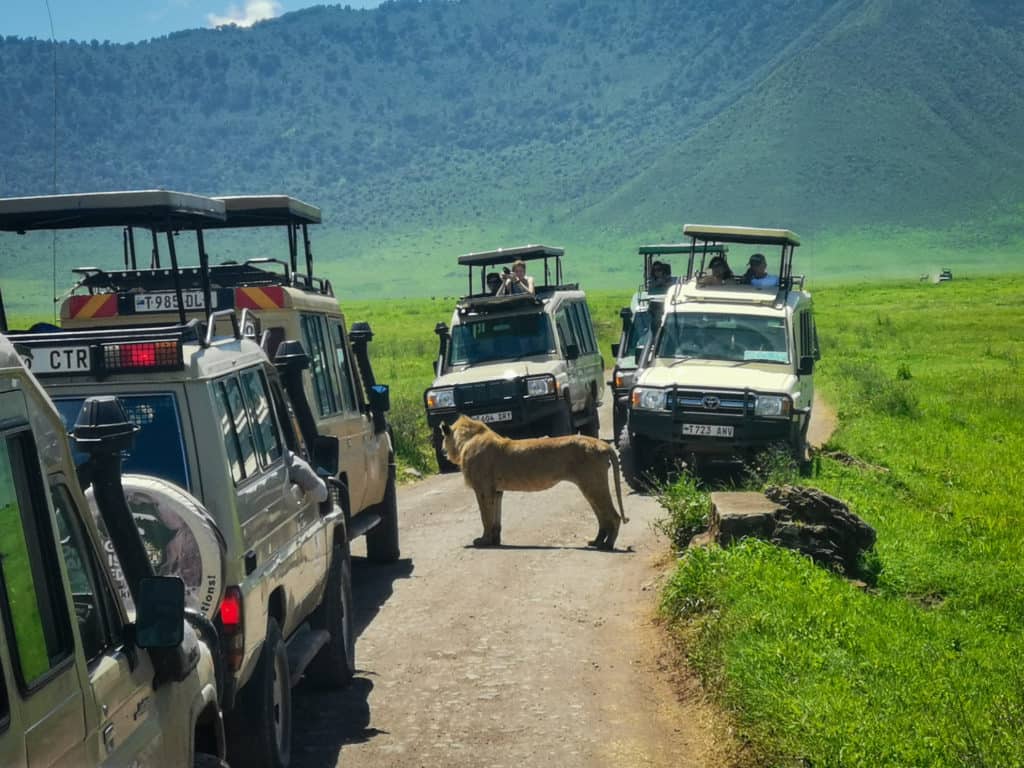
(437, 367)
(806, 367)
(290, 356)
(326, 453)
(160, 612)
(572, 351)
(626, 313)
(615, 350)
(637, 354)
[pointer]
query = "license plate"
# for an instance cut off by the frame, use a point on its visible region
(707, 430)
(167, 301)
(58, 360)
(490, 418)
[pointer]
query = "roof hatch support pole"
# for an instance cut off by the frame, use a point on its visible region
(547, 278)
(309, 253)
(154, 259)
(3, 314)
(293, 248)
(470, 291)
(204, 272)
(124, 246)
(131, 247)
(176, 273)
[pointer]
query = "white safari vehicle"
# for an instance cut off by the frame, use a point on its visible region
(730, 368)
(638, 319)
(83, 681)
(527, 364)
(222, 422)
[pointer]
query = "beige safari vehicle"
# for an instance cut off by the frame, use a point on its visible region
(218, 419)
(527, 364)
(730, 369)
(83, 681)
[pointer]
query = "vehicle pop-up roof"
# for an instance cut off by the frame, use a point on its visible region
(704, 237)
(505, 256)
(159, 211)
(658, 252)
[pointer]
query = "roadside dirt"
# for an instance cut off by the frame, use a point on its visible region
(540, 653)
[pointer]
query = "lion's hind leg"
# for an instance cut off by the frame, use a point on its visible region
(600, 500)
(490, 517)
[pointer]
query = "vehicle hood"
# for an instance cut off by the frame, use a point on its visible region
(714, 374)
(508, 369)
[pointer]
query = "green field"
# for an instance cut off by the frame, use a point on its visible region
(923, 667)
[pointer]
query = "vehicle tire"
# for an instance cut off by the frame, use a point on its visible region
(260, 727)
(800, 448)
(382, 539)
(618, 421)
(561, 422)
(592, 426)
(335, 665)
(206, 760)
(443, 465)
(633, 460)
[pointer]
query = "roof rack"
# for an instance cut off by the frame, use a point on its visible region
(155, 209)
(484, 259)
(702, 236)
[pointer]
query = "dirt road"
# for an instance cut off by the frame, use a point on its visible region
(540, 653)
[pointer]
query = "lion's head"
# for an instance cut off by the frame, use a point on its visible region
(458, 434)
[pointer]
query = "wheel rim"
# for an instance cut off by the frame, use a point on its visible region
(281, 704)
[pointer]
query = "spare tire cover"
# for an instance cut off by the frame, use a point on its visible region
(180, 537)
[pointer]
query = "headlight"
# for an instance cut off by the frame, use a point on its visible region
(772, 405)
(648, 399)
(540, 386)
(440, 398)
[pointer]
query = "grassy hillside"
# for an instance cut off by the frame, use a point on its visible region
(888, 134)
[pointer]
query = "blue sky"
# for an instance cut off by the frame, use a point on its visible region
(123, 21)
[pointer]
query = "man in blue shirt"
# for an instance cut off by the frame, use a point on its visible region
(757, 273)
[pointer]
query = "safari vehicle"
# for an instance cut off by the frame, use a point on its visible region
(83, 681)
(285, 301)
(637, 319)
(730, 368)
(527, 364)
(219, 420)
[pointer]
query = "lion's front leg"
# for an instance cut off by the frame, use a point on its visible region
(490, 517)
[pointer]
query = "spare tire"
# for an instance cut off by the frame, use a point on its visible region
(180, 536)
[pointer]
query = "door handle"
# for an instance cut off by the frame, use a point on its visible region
(108, 737)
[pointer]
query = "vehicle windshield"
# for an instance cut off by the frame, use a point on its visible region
(724, 336)
(639, 334)
(158, 449)
(500, 338)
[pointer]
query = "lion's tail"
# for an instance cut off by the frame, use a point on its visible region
(618, 484)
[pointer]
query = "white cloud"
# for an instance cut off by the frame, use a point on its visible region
(254, 10)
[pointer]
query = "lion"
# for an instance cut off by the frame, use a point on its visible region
(492, 464)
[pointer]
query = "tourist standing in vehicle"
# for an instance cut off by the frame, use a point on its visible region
(757, 273)
(517, 281)
(661, 277)
(719, 273)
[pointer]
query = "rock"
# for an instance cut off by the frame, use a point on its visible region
(802, 519)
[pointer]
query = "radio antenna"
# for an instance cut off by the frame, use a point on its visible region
(53, 242)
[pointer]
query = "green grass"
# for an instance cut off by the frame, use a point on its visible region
(925, 669)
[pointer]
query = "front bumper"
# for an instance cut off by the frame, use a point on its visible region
(750, 434)
(531, 417)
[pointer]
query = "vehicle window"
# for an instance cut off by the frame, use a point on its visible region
(500, 338)
(159, 445)
(588, 328)
(639, 333)
(724, 336)
(319, 364)
(243, 426)
(92, 598)
(348, 391)
(268, 439)
(581, 328)
(565, 331)
(39, 627)
(227, 429)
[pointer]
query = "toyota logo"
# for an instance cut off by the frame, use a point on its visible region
(711, 402)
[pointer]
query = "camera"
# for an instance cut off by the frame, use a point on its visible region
(506, 271)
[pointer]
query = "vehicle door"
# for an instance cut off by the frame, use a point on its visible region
(128, 730)
(806, 346)
(337, 408)
(591, 363)
(49, 682)
(12, 732)
(567, 338)
(278, 521)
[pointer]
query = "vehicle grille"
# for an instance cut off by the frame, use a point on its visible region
(486, 392)
(710, 402)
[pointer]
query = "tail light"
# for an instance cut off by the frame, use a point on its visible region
(145, 355)
(232, 627)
